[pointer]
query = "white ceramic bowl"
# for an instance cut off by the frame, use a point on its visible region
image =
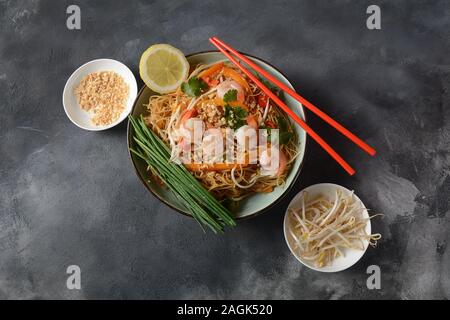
(73, 110)
(351, 255)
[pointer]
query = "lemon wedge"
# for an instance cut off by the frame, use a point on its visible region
(163, 68)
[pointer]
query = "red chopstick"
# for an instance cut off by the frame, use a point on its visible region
(300, 99)
(286, 109)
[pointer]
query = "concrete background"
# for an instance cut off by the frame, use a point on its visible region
(69, 196)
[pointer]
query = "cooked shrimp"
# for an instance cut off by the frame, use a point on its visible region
(228, 85)
(188, 115)
(251, 120)
(190, 126)
(273, 161)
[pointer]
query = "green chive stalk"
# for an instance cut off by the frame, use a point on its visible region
(200, 203)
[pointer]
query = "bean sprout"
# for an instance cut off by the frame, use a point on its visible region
(323, 228)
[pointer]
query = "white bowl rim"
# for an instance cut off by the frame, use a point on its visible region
(129, 106)
(337, 269)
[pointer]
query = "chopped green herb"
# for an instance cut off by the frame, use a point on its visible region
(285, 135)
(230, 96)
(271, 87)
(268, 132)
(239, 112)
(193, 87)
(282, 124)
(269, 129)
(235, 117)
(268, 84)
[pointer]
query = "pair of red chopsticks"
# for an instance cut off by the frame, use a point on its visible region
(227, 50)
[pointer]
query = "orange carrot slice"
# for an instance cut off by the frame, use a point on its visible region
(211, 71)
(220, 102)
(236, 76)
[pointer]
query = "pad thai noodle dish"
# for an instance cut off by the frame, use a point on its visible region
(215, 123)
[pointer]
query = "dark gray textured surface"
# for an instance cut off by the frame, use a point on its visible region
(69, 196)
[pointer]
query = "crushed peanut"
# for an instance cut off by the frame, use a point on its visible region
(104, 95)
(209, 113)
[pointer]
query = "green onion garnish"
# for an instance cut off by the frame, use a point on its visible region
(200, 203)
